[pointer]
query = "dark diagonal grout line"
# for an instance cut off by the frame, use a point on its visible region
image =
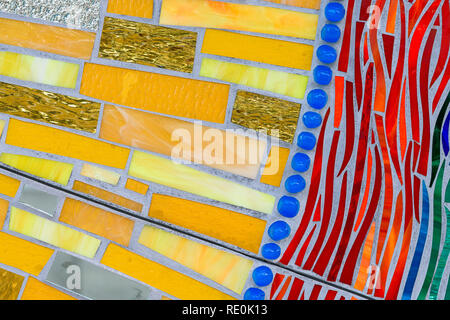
(154, 222)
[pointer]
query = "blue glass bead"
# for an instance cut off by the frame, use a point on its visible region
(334, 11)
(271, 251)
(288, 206)
(326, 54)
(317, 98)
(262, 276)
(323, 75)
(279, 230)
(306, 140)
(312, 119)
(300, 162)
(295, 184)
(254, 294)
(330, 33)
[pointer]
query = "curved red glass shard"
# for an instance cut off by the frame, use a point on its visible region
(297, 286)
(345, 48)
(277, 279)
(445, 42)
(349, 126)
(388, 44)
(302, 251)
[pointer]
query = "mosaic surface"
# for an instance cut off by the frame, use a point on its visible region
(205, 149)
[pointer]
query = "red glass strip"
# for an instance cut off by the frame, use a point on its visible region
(302, 251)
(331, 294)
(295, 290)
(317, 213)
(345, 48)
(388, 44)
(349, 126)
(315, 292)
(276, 283)
(358, 76)
(445, 42)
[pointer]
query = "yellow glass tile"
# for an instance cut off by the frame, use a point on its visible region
(49, 107)
(97, 221)
(225, 15)
(166, 172)
(8, 185)
(136, 8)
(288, 84)
(159, 276)
(51, 140)
(22, 254)
(10, 285)
(235, 228)
(40, 70)
(63, 41)
(3, 211)
(2, 126)
(100, 174)
(259, 49)
(310, 4)
(37, 290)
(165, 298)
(223, 267)
(276, 163)
(136, 186)
(53, 233)
(159, 134)
(56, 171)
(142, 43)
(107, 196)
(160, 93)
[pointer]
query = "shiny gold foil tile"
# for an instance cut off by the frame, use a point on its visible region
(142, 43)
(49, 107)
(258, 112)
(10, 284)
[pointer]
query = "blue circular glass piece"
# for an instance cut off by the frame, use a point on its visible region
(326, 54)
(262, 276)
(254, 294)
(306, 140)
(323, 75)
(334, 11)
(300, 162)
(279, 230)
(312, 119)
(330, 33)
(317, 98)
(295, 184)
(288, 206)
(271, 251)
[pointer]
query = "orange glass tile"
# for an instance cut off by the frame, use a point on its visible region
(276, 163)
(3, 211)
(259, 49)
(107, 196)
(97, 221)
(310, 4)
(51, 140)
(37, 290)
(160, 93)
(136, 186)
(9, 186)
(226, 225)
(159, 276)
(163, 135)
(63, 41)
(135, 8)
(22, 254)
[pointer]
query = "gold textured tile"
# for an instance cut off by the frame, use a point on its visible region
(151, 45)
(258, 112)
(49, 107)
(10, 284)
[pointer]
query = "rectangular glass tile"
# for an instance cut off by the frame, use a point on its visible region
(310, 4)
(166, 172)
(52, 233)
(234, 16)
(37, 290)
(160, 93)
(10, 285)
(288, 84)
(275, 165)
(63, 41)
(49, 107)
(259, 49)
(135, 8)
(146, 44)
(8, 185)
(40, 70)
(96, 283)
(39, 200)
(225, 268)
(76, 14)
(276, 117)
(136, 186)
(51, 140)
(100, 174)
(4, 205)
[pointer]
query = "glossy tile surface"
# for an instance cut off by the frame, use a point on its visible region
(40, 200)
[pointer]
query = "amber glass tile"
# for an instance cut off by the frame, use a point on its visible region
(275, 165)
(136, 186)
(10, 284)
(258, 112)
(142, 43)
(310, 4)
(136, 8)
(49, 107)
